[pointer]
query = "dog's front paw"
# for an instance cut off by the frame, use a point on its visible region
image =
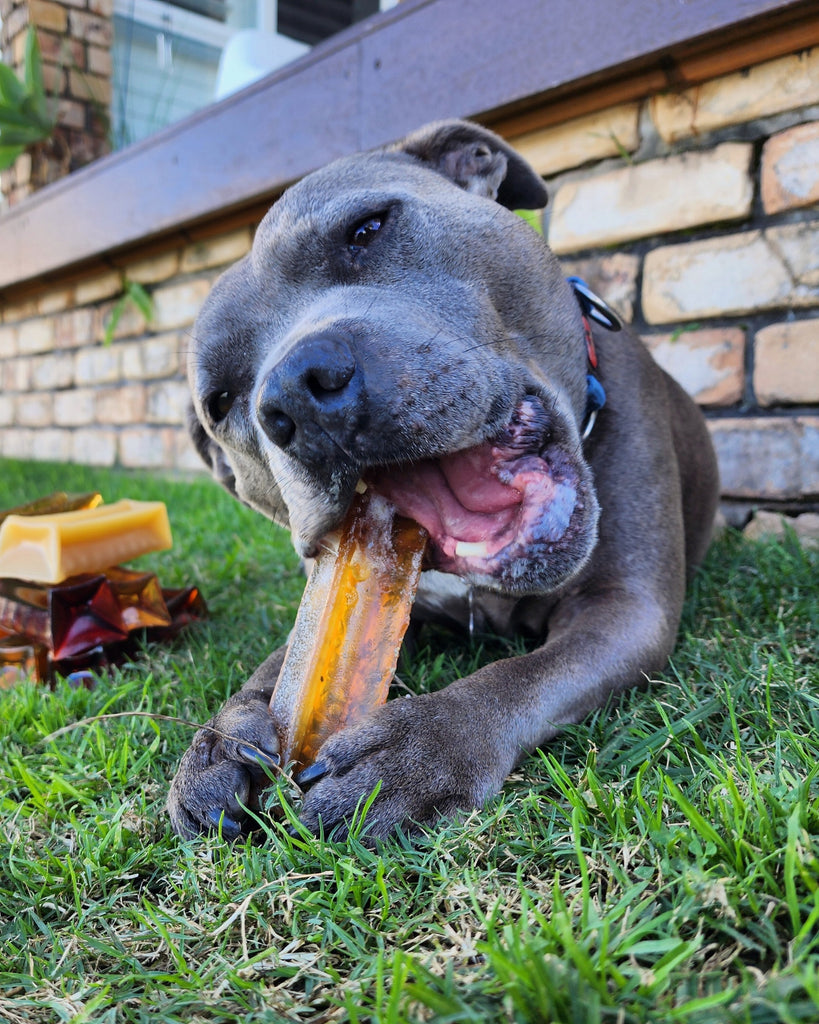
(425, 762)
(222, 774)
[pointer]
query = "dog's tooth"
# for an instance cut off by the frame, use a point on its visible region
(360, 487)
(471, 549)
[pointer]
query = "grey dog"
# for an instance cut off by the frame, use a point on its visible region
(395, 322)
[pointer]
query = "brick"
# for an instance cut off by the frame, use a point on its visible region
(789, 174)
(51, 372)
(45, 14)
(185, 456)
(770, 88)
(97, 288)
(613, 278)
(19, 311)
(786, 363)
(151, 358)
(123, 405)
(35, 336)
(17, 443)
(74, 408)
(709, 364)
(35, 410)
(105, 8)
(75, 328)
(216, 252)
(99, 61)
(23, 168)
(94, 447)
(59, 49)
(129, 322)
(14, 25)
(774, 526)
(55, 301)
(798, 247)
(85, 86)
(99, 365)
(71, 114)
(8, 410)
(670, 194)
(168, 402)
(16, 374)
(154, 269)
(18, 46)
(146, 448)
(776, 458)
(54, 79)
(8, 342)
(731, 274)
(593, 137)
(176, 305)
(51, 445)
(91, 28)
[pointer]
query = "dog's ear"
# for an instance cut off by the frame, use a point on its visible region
(479, 161)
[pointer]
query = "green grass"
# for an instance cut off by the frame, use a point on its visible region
(658, 863)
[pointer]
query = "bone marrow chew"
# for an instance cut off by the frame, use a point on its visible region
(352, 618)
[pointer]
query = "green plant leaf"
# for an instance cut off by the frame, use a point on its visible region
(12, 91)
(21, 136)
(114, 319)
(533, 218)
(134, 293)
(39, 111)
(33, 65)
(8, 154)
(13, 118)
(140, 298)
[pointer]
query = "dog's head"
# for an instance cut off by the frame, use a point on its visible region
(396, 322)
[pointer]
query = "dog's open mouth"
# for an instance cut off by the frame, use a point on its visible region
(492, 510)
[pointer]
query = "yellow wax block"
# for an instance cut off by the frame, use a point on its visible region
(50, 548)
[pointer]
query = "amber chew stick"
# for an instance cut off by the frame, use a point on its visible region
(352, 618)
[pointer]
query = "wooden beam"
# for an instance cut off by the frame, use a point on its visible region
(674, 73)
(519, 65)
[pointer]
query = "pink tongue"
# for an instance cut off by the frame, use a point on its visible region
(459, 496)
(472, 480)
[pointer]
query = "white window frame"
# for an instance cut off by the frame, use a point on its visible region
(164, 17)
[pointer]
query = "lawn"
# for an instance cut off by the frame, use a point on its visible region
(658, 863)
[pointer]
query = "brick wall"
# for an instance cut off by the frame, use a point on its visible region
(694, 214)
(68, 396)
(75, 39)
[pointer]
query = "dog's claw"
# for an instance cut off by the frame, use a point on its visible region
(312, 773)
(254, 754)
(220, 819)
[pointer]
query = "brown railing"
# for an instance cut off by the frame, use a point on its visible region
(516, 65)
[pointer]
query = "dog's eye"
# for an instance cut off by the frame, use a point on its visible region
(363, 233)
(219, 405)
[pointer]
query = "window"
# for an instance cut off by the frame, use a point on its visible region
(171, 58)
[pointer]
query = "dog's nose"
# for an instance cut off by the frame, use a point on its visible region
(312, 395)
